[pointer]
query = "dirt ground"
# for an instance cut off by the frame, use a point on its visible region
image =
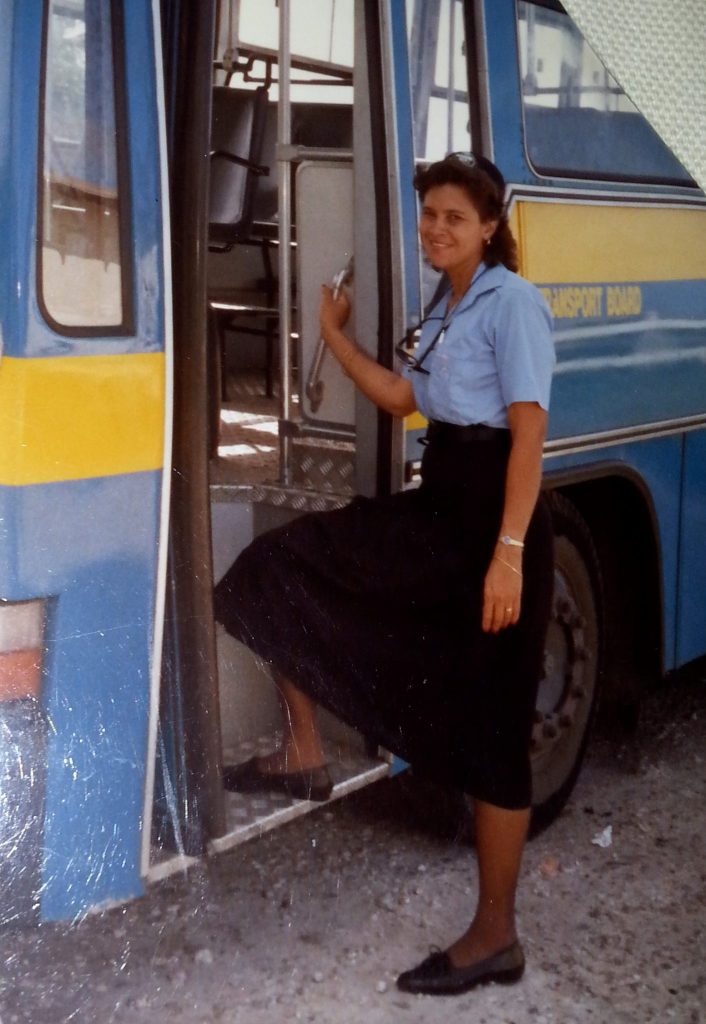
(313, 922)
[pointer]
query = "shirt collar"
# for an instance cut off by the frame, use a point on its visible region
(485, 279)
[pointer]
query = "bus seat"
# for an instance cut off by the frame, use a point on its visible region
(323, 125)
(237, 131)
(314, 125)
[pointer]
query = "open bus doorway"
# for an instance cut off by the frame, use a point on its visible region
(282, 423)
(286, 433)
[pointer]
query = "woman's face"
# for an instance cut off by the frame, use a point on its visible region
(451, 231)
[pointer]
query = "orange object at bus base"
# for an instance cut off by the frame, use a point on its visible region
(20, 674)
(21, 650)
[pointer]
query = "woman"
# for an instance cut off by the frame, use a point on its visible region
(420, 618)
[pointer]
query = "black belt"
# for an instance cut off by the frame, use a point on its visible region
(462, 434)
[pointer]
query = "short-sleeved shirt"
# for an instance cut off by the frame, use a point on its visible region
(496, 349)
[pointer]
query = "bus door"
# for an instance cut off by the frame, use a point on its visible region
(302, 182)
(84, 332)
(445, 119)
(291, 426)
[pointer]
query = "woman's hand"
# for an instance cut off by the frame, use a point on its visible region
(502, 592)
(388, 390)
(333, 313)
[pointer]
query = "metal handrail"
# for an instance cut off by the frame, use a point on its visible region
(284, 139)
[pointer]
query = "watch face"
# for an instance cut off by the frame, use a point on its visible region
(507, 540)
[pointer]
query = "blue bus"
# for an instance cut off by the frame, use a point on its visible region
(179, 177)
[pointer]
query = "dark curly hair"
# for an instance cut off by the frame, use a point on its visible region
(485, 187)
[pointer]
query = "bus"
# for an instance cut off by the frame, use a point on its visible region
(179, 178)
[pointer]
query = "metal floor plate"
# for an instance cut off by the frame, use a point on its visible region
(252, 814)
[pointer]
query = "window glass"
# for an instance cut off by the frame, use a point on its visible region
(81, 277)
(321, 30)
(321, 45)
(439, 78)
(578, 121)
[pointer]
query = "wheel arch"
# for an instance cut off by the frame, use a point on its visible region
(629, 555)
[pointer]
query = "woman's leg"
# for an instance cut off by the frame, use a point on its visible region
(301, 743)
(500, 840)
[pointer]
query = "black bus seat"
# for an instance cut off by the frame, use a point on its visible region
(314, 125)
(237, 133)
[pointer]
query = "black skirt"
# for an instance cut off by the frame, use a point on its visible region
(374, 610)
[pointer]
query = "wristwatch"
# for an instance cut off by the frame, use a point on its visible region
(510, 542)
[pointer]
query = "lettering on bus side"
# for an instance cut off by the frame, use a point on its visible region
(623, 300)
(593, 302)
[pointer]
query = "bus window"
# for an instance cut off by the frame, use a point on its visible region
(439, 78)
(81, 271)
(320, 31)
(578, 121)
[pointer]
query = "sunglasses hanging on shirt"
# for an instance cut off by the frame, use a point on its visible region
(404, 350)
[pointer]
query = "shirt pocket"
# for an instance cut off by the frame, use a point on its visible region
(463, 377)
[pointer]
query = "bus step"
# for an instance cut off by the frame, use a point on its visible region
(252, 814)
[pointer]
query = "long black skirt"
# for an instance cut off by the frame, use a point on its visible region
(374, 610)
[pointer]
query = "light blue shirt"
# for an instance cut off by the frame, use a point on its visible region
(496, 349)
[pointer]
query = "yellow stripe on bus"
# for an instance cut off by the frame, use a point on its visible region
(564, 243)
(415, 421)
(75, 417)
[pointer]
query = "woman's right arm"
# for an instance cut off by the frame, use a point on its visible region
(385, 388)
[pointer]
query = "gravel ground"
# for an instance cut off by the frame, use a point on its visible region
(313, 922)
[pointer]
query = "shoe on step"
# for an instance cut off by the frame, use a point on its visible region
(310, 784)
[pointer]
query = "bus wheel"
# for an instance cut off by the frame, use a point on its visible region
(568, 691)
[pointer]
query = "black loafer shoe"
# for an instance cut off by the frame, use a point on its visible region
(311, 784)
(437, 976)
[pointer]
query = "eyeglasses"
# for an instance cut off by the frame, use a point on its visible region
(409, 358)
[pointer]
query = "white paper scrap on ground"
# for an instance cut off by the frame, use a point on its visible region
(605, 838)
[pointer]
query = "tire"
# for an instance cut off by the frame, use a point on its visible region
(568, 691)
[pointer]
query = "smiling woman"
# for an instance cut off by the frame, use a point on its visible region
(453, 235)
(420, 618)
